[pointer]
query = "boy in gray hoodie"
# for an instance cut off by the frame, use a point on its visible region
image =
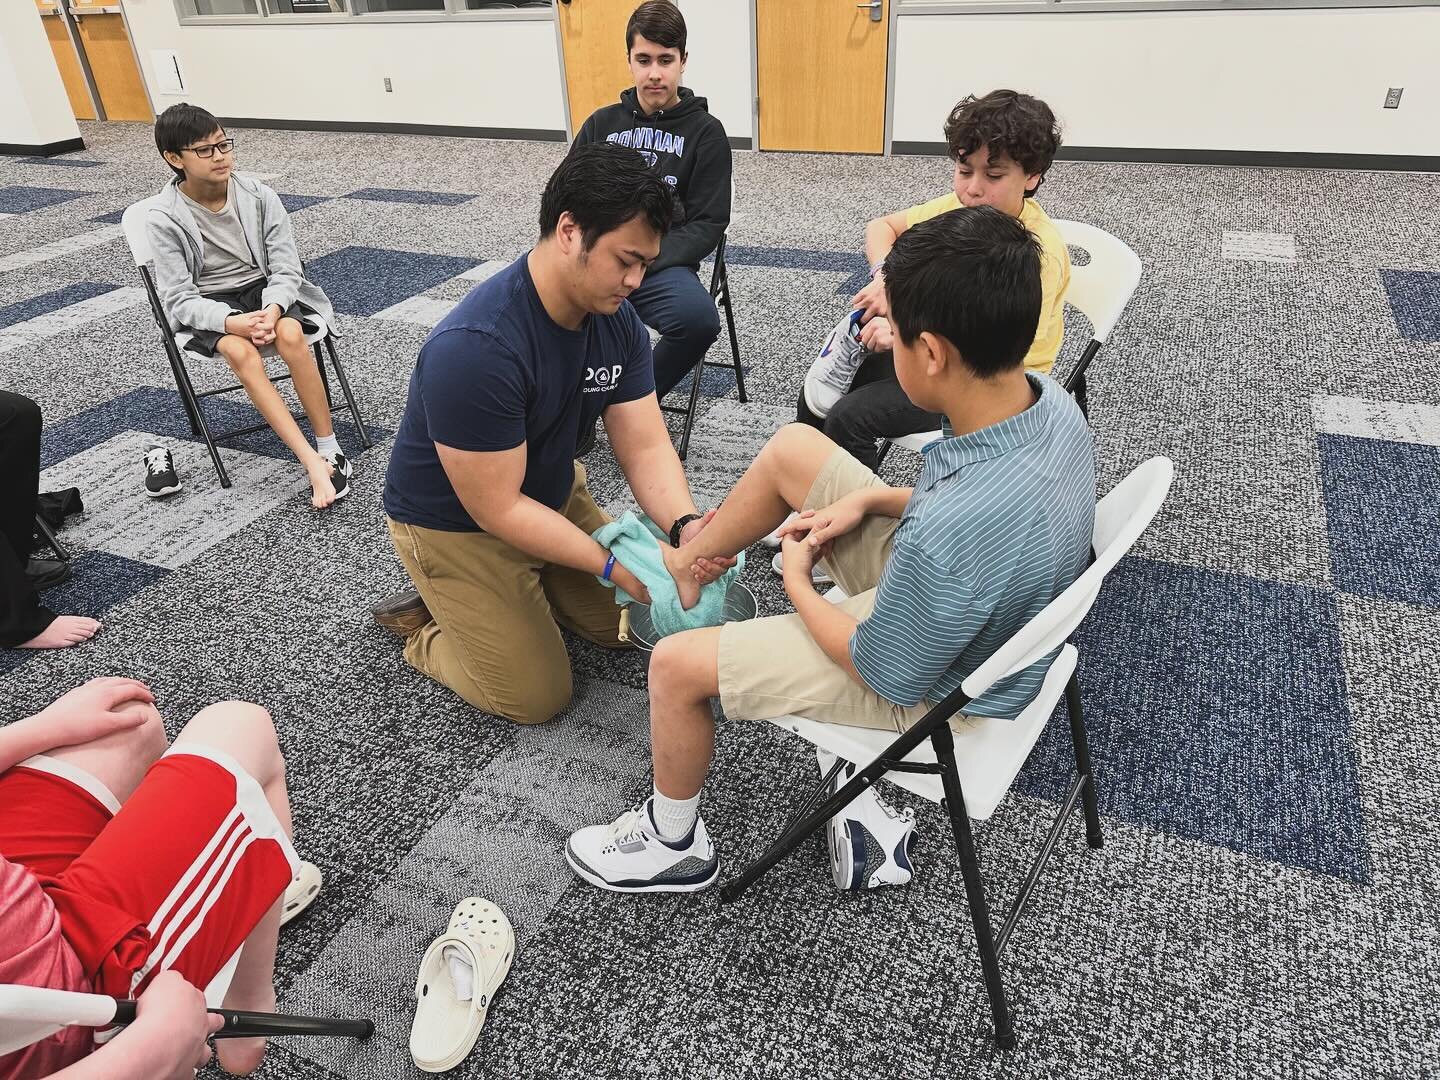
(230, 280)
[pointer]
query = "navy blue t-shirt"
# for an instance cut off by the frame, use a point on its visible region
(497, 372)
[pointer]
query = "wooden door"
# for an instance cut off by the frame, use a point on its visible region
(822, 75)
(66, 60)
(112, 61)
(592, 33)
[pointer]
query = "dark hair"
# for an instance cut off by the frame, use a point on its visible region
(1008, 122)
(659, 21)
(604, 186)
(179, 126)
(971, 276)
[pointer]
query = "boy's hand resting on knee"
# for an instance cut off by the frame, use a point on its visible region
(819, 528)
(267, 318)
(96, 709)
(247, 326)
(798, 558)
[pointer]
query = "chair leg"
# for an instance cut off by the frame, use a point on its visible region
(345, 389)
(944, 743)
(695, 377)
(1081, 397)
(324, 378)
(51, 539)
(198, 423)
(885, 445)
(734, 341)
(1093, 836)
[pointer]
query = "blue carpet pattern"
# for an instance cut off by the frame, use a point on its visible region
(21, 198)
(1259, 676)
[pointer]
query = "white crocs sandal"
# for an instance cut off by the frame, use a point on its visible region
(302, 891)
(451, 1002)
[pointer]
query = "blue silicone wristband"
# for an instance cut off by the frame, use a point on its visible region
(609, 566)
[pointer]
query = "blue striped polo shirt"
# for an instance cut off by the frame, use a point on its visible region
(999, 525)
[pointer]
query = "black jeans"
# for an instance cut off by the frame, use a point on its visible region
(21, 614)
(875, 408)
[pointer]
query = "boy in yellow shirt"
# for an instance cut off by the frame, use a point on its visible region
(1002, 145)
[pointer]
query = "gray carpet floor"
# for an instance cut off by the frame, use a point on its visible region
(1259, 674)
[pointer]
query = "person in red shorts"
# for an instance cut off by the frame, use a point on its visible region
(136, 870)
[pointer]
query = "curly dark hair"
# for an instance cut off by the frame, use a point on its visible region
(1008, 122)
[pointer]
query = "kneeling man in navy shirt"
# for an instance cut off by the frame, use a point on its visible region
(487, 506)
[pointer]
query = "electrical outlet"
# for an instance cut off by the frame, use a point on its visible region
(390, 89)
(1392, 97)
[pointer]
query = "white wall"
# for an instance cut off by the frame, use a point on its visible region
(1295, 80)
(456, 73)
(34, 110)
(719, 66)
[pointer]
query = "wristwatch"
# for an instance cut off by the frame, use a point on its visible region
(680, 523)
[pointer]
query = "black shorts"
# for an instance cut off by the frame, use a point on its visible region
(241, 301)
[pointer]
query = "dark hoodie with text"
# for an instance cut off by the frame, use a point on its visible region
(690, 150)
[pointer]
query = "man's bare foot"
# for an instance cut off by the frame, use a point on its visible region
(685, 583)
(320, 480)
(65, 631)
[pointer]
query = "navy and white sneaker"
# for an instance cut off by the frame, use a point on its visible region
(160, 475)
(629, 856)
(869, 841)
(340, 463)
(832, 372)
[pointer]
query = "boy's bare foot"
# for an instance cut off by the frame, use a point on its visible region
(685, 583)
(65, 631)
(322, 480)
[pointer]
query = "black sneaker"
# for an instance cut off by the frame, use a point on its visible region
(160, 476)
(340, 463)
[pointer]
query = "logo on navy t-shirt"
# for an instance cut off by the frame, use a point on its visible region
(598, 380)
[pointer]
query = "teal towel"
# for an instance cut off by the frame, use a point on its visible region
(635, 541)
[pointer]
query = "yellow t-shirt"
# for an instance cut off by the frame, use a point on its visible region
(1054, 274)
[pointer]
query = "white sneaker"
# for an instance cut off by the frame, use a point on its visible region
(629, 856)
(832, 372)
(818, 574)
(772, 540)
(869, 840)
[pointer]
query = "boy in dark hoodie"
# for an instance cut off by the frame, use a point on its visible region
(675, 132)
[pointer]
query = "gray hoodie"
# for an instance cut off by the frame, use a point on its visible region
(178, 253)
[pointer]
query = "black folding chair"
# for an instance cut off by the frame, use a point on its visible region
(133, 223)
(977, 780)
(720, 293)
(51, 540)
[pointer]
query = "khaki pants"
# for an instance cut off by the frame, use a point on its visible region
(494, 640)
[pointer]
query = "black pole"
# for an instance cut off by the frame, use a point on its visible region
(248, 1025)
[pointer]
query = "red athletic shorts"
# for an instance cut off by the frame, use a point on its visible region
(176, 879)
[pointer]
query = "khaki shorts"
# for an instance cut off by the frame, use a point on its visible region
(773, 667)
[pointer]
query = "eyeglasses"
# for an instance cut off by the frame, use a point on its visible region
(208, 151)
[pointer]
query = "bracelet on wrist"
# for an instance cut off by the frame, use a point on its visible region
(609, 568)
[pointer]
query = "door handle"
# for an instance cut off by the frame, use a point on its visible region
(874, 7)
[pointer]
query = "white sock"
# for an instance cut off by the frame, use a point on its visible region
(327, 445)
(674, 817)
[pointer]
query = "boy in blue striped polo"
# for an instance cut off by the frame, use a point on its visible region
(937, 577)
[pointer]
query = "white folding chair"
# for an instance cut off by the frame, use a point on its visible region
(973, 781)
(1100, 290)
(133, 224)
